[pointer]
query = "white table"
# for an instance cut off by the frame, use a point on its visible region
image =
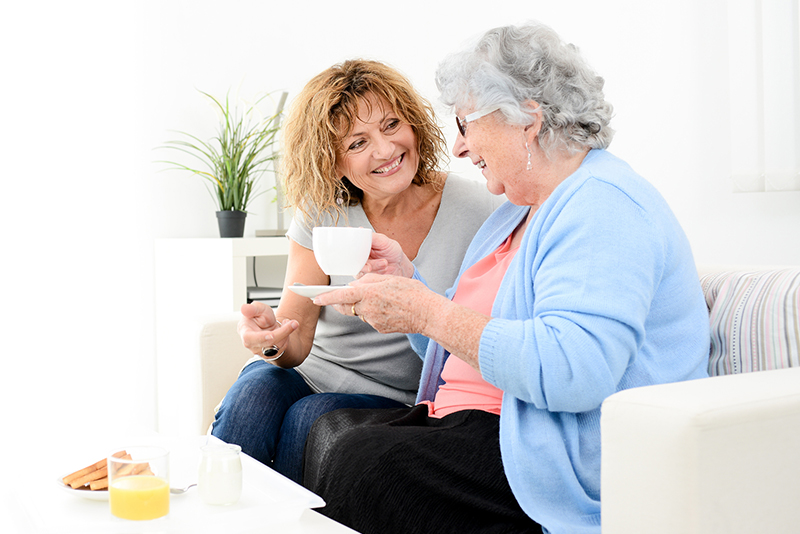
(270, 503)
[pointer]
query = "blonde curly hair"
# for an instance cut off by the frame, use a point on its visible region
(325, 111)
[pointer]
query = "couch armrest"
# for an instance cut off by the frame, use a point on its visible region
(716, 455)
(222, 356)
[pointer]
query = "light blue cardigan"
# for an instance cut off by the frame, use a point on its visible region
(602, 296)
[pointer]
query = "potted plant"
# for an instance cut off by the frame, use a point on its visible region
(242, 151)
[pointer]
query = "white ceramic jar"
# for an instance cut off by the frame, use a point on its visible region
(219, 480)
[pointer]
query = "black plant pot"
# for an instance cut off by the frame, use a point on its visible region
(231, 223)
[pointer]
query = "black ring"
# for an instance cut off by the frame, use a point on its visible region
(271, 351)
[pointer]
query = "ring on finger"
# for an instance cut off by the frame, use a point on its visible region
(353, 309)
(270, 352)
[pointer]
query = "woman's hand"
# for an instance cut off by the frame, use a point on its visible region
(395, 304)
(390, 304)
(387, 257)
(259, 328)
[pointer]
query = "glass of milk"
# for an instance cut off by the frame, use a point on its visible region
(219, 479)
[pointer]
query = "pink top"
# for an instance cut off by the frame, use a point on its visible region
(464, 388)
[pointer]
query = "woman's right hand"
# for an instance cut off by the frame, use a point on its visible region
(387, 257)
(259, 328)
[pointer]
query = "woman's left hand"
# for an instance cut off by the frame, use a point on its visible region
(391, 304)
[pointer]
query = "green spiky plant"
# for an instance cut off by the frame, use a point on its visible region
(243, 149)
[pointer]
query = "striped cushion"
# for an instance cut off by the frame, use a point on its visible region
(755, 320)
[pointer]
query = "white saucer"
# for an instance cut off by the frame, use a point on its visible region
(85, 492)
(313, 291)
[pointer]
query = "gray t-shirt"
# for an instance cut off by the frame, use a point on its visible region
(348, 355)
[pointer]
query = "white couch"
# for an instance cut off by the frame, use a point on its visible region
(718, 455)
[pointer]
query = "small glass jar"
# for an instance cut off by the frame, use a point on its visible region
(219, 480)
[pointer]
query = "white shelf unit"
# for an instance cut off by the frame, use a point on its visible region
(196, 278)
(271, 296)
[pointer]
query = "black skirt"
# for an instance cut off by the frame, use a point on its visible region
(400, 471)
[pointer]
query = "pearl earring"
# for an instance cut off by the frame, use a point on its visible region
(530, 165)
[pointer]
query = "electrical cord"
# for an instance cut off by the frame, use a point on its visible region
(255, 278)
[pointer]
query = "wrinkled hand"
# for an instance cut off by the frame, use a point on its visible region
(259, 328)
(387, 257)
(391, 304)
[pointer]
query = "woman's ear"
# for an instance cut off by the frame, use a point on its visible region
(535, 112)
(339, 171)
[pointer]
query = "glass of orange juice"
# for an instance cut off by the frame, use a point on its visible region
(138, 483)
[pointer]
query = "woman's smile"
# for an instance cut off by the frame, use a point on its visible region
(391, 167)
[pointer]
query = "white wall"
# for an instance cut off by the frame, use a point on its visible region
(91, 87)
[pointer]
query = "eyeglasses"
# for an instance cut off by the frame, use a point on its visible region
(462, 123)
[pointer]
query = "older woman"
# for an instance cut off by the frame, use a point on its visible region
(361, 149)
(582, 285)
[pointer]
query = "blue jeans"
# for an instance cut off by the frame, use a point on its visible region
(269, 411)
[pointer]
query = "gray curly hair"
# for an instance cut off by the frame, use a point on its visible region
(513, 65)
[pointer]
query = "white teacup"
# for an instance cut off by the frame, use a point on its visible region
(341, 251)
